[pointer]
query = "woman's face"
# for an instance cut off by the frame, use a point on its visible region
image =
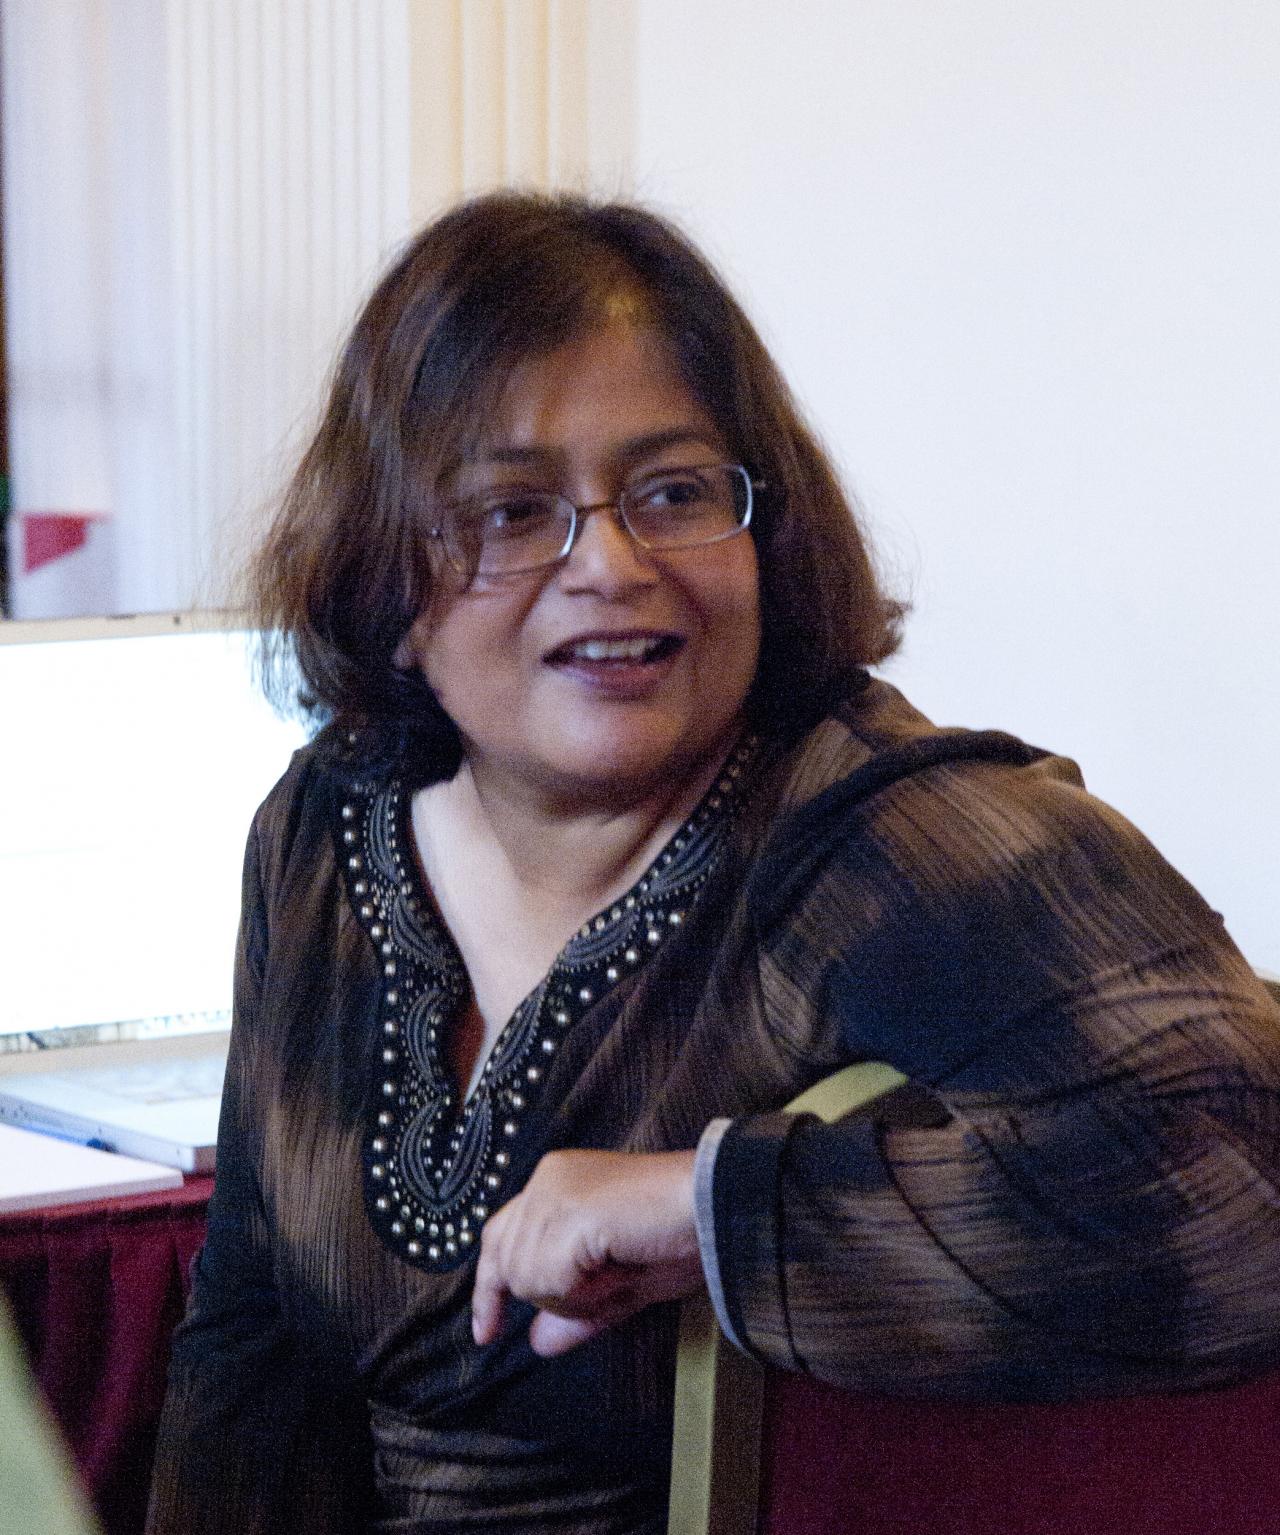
(619, 669)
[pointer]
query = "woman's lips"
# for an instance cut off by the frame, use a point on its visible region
(621, 665)
(615, 649)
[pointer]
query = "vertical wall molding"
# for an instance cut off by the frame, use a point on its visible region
(290, 157)
(528, 93)
(567, 91)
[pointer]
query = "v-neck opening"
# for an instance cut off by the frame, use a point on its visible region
(435, 1159)
(722, 784)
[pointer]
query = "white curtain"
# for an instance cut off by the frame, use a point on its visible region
(197, 194)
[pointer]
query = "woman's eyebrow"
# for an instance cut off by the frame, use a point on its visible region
(498, 453)
(674, 437)
(627, 452)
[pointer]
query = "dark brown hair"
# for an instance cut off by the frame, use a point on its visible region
(348, 563)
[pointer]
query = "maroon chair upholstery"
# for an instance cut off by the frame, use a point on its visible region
(1207, 1464)
(762, 1452)
(833, 1464)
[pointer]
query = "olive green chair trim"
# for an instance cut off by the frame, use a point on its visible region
(719, 1400)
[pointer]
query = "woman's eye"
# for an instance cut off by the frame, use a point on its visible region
(507, 515)
(672, 492)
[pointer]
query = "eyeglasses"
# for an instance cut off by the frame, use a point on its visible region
(509, 532)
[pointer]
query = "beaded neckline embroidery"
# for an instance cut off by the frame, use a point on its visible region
(432, 1170)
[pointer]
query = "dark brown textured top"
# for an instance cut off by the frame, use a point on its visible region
(1097, 1214)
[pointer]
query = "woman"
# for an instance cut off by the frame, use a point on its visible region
(610, 847)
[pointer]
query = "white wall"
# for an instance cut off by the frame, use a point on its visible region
(1021, 261)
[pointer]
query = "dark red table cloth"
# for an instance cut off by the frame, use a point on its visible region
(96, 1290)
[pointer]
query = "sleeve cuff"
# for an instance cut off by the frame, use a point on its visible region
(704, 1172)
(737, 1211)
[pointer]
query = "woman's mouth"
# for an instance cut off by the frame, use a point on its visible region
(616, 666)
(615, 650)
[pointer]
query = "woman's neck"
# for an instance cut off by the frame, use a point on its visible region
(574, 853)
(513, 877)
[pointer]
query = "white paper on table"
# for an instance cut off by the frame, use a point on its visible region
(38, 1170)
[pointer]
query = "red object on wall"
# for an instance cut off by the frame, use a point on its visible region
(49, 535)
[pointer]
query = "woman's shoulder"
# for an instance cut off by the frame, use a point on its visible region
(298, 807)
(326, 781)
(878, 784)
(337, 762)
(873, 739)
(966, 883)
(306, 772)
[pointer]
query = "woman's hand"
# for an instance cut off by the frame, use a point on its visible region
(593, 1237)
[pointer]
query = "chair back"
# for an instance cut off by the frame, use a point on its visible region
(767, 1452)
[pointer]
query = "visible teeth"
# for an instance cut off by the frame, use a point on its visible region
(614, 650)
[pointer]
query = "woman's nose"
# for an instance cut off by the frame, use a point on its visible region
(605, 556)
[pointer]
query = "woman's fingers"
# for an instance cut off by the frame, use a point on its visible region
(593, 1237)
(487, 1305)
(550, 1334)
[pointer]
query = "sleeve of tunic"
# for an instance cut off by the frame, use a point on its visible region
(1093, 1208)
(255, 1437)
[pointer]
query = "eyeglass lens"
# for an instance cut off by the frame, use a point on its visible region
(509, 532)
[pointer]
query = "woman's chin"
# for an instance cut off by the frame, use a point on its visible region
(603, 767)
